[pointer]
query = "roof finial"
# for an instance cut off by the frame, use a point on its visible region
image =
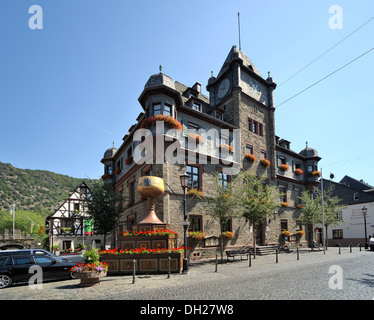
(113, 144)
(211, 73)
(269, 74)
(306, 144)
(160, 67)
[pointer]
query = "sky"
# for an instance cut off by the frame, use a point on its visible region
(69, 88)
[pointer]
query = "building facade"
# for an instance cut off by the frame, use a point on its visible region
(236, 131)
(357, 199)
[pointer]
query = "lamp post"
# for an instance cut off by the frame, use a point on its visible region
(184, 183)
(364, 211)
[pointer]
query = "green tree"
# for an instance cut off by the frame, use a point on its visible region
(223, 204)
(105, 206)
(312, 211)
(257, 200)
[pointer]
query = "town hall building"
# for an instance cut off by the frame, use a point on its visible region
(232, 129)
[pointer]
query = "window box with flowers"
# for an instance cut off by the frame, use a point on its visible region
(168, 121)
(286, 234)
(226, 147)
(128, 161)
(300, 233)
(284, 167)
(195, 192)
(227, 235)
(106, 176)
(299, 206)
(250, 157)
(315, 174)
(196, 137)
(265, 163)
(284, 204)
(196, 235)
(299, 172)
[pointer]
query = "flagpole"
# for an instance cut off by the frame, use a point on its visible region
(323, 217)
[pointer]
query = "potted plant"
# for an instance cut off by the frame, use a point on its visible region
(315, 173)
(90, 271)
(299, 172)
(128, 160)
(265, 163)
(250, 157)
(56, 250)
(286, 234)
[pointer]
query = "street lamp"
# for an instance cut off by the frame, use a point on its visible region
(184, 183)
(364, 211)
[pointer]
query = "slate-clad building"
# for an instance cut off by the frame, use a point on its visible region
(235, 120)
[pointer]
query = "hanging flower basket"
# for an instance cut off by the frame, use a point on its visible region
(300, 233)
(168, 121)
(265, 163)
(250, 157)
(299, 172)
(284, 167)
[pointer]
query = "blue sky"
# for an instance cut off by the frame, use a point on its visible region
(71, 89)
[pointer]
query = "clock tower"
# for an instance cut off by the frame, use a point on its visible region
(245, 99)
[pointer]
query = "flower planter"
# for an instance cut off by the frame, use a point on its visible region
(154, 263)
(265, 163)
(284, 167)
(250, 157)
(89, 278)
(299, 172)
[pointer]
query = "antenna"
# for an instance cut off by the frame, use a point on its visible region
(240, 47)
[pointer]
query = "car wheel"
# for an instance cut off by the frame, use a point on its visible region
(5, 281)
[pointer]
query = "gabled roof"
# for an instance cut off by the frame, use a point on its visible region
(351, 182)
(236, 54)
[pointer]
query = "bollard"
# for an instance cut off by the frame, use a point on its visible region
(276, 255)
(250, 259)
(360, 246)
(133, 271)
(216, 262)
(339, 248)
(297, 251)
(169, 266)
(350, 248)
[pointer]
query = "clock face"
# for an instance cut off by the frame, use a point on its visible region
(223, 88)
(254, 88)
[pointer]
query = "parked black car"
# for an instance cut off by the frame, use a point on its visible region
(15, 266)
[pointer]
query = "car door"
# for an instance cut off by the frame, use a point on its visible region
(47, 265)
(20, 268)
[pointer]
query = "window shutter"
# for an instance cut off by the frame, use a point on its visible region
(185, 128)
(278, 160)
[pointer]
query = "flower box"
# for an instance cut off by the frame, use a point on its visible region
(284, 167)
(106, 176)
(195, 192)
(192, 136)
(315, 173)
(197, 235)
(123, 263)
(128, 161)
(228, 235)
(300, 233)
(299, 206)
(265, 163)
(284, 204)
(168, 121)
(286, 233)
(226, 147)
(250, 157)
(299, 172)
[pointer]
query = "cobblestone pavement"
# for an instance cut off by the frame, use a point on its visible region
(305, 279)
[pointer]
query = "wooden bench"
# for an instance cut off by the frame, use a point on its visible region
(233, 253)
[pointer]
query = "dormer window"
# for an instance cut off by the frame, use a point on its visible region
(196, 106)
